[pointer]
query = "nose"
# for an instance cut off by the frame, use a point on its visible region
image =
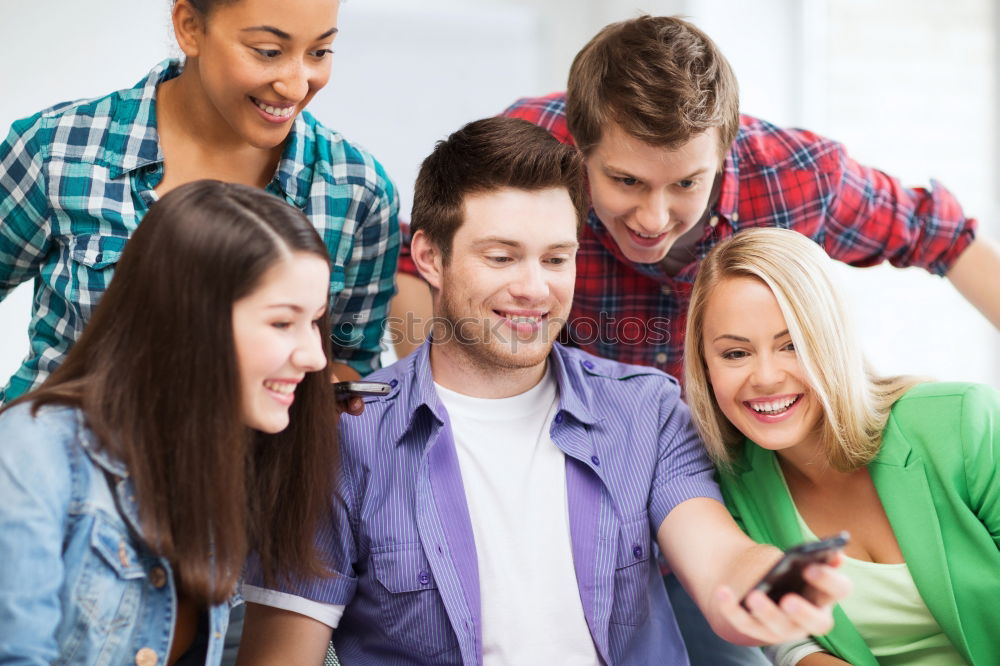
(530, 284)
(308, 355)
(653, 214)
(293, 83)
(767, 371)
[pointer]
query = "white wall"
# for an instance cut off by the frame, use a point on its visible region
(906, 84)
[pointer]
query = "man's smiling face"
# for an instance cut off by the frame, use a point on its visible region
(507, 286)
(648, 196)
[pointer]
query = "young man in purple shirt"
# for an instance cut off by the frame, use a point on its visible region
(505, 502)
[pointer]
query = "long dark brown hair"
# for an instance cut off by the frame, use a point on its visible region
(156, 376)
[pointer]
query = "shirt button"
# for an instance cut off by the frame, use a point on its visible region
(637, 551)
(424, 578)
(145, 657)
(665, 290)
(661, 358)
(595, 460)
(393, 383)
(589, 365)
(559, 418)
(735, 217)
(714, 220)
(158, 577)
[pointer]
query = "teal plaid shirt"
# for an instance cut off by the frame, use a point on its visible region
(76, 179)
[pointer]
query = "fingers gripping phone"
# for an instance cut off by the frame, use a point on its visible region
(347, 390)
(786, 576)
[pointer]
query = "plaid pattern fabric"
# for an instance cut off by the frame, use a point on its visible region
(76, 179)
(773, 177)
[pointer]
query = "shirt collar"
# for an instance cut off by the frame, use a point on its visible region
(295, 167)
(419, 399)
(97, 453)
(136, 108)
(135, 111)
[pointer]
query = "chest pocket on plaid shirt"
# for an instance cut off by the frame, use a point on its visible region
(92, 262)
(632, 562)
(413, 613)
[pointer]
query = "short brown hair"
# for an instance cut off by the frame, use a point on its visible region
(488, 155)
(659, 78)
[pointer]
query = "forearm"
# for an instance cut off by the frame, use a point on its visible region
(276, 637)
(409, 314)
(706, 563)
(975, 273)
(792, 653)
(718, 564)
(821, 659)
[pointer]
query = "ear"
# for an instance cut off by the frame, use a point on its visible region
(428, 258)
(189, 26)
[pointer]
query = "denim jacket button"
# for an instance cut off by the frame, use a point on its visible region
(158, 577)
(146, 657)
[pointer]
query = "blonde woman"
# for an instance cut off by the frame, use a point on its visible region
(809, 442)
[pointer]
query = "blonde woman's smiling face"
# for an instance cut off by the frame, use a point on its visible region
(754, 370)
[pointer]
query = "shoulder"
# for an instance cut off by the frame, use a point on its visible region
(936, 400)
(50, 422)
(931, 414)
(548, 111)
(340, 160)
(532, 108)
(40, 448)
(765, 145)
(610, 386)
(68, 128)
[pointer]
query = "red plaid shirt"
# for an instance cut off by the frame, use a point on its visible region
(773, 177)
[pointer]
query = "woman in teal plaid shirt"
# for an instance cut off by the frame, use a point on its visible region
(76, 179)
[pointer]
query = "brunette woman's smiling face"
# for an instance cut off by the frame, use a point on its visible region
(258, 63)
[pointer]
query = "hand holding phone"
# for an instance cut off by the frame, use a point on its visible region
(786, 576)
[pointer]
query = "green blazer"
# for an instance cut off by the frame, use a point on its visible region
(938, 476)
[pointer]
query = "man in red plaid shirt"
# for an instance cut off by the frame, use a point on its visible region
(673, 169)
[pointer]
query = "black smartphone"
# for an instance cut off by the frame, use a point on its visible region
(345, 390)
(786, 575)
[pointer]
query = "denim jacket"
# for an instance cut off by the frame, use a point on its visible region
(76, 584)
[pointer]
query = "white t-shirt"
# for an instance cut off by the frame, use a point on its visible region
(515, 487)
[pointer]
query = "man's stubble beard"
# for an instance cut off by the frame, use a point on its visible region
(482, 348)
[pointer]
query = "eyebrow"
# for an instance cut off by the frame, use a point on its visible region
(612, 169)
(295, 308)
(281, 34)
(498, 240)
(727, 336)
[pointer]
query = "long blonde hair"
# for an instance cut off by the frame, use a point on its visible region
(855, 402)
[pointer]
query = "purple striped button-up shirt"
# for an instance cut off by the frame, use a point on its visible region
(402, 540)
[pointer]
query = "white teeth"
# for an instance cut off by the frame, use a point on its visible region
(774, 406)
(524, 320)
(275, 111)
(280, 387)
(642, 235)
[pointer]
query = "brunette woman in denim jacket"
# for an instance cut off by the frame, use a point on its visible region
(124, 524)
